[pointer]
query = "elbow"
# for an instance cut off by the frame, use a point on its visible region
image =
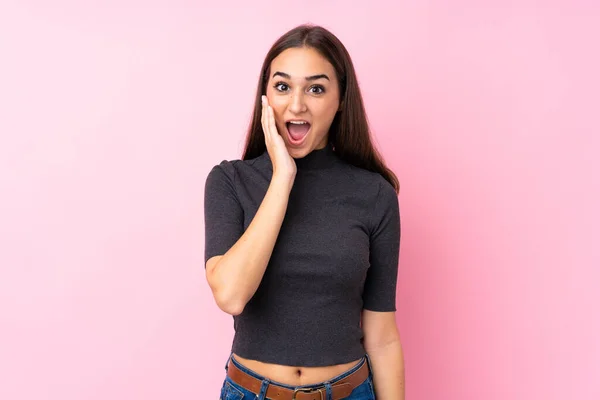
(229, 304)
(226, 296)
(231, 308)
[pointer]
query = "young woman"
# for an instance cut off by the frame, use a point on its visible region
(303, 235)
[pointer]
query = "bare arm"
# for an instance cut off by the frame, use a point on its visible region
(235, 276)
(382, 343)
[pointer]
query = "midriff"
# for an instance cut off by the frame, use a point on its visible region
(295, 376)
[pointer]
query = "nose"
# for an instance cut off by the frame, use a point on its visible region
(297, 104)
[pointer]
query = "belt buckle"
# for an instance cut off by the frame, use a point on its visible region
(306, 391)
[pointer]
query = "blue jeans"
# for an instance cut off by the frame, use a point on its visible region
(233, 391)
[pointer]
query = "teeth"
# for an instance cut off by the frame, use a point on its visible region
(298, 122)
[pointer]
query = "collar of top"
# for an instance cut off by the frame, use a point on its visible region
(316, 159)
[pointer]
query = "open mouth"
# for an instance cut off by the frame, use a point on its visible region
(297, 131)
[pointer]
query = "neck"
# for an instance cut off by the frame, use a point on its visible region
(317, 159)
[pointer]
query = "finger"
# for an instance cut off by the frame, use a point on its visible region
(269, 125)
(263, 119)
(272, 125)
(262, 115)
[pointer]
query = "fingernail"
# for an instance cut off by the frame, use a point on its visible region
(263, 99)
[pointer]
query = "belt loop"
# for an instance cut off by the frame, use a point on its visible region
(328, 391)
(263, 390)
(227, 363)
(369, 363)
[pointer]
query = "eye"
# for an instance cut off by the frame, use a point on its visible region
(278, 84)
(321, 89)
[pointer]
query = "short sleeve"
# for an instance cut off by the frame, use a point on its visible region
(223, 213)
(379, 293)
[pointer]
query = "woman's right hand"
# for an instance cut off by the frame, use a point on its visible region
(283, 163)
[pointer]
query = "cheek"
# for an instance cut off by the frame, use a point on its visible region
(278, 102)
(326, 114)
(278, 110)
(278, 117)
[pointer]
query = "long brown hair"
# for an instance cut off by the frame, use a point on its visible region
(349, 132)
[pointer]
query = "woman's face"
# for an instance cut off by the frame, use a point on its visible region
(303, 86)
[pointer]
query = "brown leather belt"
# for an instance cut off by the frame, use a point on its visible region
(341, 388)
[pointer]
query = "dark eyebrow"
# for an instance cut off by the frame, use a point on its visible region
(308, 78)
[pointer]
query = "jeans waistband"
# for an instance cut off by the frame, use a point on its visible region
(333, 380)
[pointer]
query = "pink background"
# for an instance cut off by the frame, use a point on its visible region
(112, 114)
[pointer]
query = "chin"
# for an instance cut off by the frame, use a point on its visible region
(298, 152)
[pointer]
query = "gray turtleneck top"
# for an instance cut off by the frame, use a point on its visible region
(337, 253)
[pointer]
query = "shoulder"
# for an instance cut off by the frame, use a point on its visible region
(378, 195)
(386, 191)
(372, 184)
(230, 169)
